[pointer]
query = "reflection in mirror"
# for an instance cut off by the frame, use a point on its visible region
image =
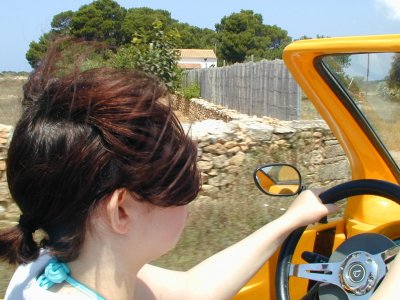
(279, 180)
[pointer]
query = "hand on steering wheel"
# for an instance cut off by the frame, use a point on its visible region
(349, 272)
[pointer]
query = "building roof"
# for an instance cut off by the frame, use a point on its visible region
(189, 66)
(197, 53)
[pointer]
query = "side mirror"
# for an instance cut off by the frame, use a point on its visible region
(278, 179)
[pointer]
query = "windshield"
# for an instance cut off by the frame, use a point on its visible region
(372, 80)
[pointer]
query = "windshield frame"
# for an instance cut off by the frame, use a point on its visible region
(348, 102)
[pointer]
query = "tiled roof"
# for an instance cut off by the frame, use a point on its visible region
(197, 53)
(189, 66)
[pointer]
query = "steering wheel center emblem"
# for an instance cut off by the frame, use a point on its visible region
(356, 272)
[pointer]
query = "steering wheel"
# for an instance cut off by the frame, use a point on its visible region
(357, 266)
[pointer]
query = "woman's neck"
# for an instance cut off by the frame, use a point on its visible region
(103, 269)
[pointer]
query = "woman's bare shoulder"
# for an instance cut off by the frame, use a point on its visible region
(155, 283)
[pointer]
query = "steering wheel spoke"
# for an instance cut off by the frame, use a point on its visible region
(389, 254)
(321, 272)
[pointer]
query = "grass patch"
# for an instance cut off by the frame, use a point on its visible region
(308, 110)
(10, 99)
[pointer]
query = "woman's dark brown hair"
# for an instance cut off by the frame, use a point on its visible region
(81, 137)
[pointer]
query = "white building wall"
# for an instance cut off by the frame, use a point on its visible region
(204, 63)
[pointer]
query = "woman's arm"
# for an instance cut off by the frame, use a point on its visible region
(389, 288)
(222, 275)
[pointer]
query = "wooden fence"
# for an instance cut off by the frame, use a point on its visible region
(265, 88)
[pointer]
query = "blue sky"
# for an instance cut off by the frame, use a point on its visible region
(23, 21)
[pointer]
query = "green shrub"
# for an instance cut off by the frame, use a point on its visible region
(190, 91)
(156, 56)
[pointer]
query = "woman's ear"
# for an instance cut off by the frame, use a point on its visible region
(118, 211)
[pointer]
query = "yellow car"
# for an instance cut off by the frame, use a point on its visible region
(354, 83)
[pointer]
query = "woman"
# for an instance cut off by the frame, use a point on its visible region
(102, 167)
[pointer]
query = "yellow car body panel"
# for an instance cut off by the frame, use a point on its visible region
(363, 213)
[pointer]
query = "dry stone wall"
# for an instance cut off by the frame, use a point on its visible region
(7, 208)
(224, 148)
(229, 143)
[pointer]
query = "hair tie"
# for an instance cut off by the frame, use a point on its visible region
(26, 226)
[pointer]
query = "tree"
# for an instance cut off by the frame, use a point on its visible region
(60, 25)
(243, 35)
(394, 73)
(38, 49)
(337, 64)
(139, 23)
(195, 37)
(318, 36)
(106, 21)
(391, 86)
(61, 22)
(99, 21)
(157, 56)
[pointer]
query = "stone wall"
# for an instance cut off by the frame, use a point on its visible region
(225, 148)
(199, 110)
(7, 208)
(229, 141)
(232, 144)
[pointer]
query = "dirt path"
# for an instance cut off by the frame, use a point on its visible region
(181, 117)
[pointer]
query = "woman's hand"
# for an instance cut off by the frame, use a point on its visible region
(307, 208)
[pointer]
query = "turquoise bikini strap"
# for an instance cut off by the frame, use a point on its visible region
(57, 272)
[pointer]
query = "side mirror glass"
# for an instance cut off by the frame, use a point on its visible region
(278, 179)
